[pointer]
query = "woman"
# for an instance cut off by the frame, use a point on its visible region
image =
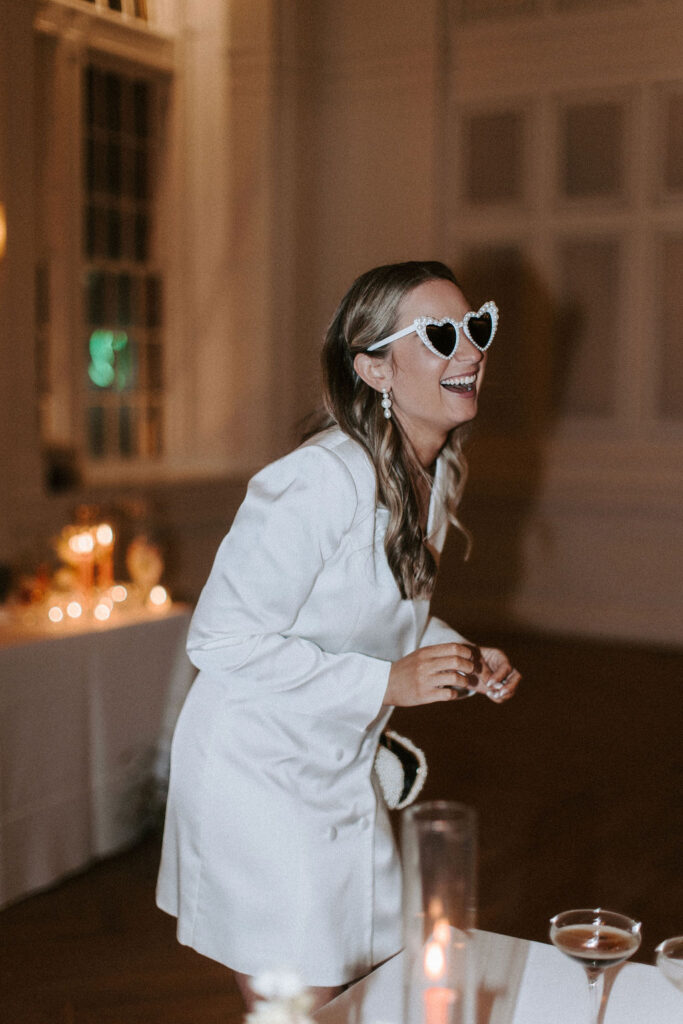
(313, 625)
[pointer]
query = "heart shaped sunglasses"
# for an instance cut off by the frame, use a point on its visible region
(442, 336)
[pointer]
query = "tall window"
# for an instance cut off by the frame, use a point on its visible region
(103, 77)
(122, 287)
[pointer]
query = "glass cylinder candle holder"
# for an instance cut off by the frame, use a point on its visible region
(439, 853)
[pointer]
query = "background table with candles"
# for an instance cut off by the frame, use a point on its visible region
(521, 982)
(87, 709)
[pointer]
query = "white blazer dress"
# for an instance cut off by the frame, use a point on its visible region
(278, 849)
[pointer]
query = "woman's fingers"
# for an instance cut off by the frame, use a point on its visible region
(458, 668)
(449, 671)
(499, 690)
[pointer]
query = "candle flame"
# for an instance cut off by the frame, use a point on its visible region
(435, 961)
(119, 593)
(82, 543)
(55, 614)
(104, 534)
(74, 610)
(102, 612)
(158, 595)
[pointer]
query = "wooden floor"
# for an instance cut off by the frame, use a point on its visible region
(578, 785)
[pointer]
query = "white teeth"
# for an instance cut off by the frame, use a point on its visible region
(460, 380)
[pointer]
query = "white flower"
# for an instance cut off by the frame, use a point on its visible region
(280, 984)
(284, 999)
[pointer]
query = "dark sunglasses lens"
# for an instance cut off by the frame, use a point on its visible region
(442, 337)
(481, 329)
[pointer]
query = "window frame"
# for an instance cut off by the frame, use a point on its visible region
(75, 36)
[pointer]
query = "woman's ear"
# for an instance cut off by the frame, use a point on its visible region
(376, 373)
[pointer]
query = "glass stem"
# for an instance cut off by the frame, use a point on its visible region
(594, 993)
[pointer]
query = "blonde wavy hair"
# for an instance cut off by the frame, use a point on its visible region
(368, 312)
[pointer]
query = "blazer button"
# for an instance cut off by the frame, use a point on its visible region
(332, 832)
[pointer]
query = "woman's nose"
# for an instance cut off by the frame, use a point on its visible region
(466, 352)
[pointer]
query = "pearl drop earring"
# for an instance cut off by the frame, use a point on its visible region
(386, 404)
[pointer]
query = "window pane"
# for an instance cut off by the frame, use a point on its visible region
(140, 174)
(112, 100)
(122, 301)
(495, 153)
(673, 160)
(114, 168)
(587, 327)
(114, 234)
(141, 108)
(140, 238)
(95, 301)
(96, 432)
(592, 148)
(127, 431)
(670, 333)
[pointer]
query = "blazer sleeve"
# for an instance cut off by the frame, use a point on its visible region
(292, 520)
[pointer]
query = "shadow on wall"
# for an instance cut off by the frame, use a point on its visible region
(522, 399)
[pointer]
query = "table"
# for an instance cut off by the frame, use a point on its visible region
(521, 982)
(86, 716)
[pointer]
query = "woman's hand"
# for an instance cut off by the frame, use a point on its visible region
(448, 672)
(503, 679)
(439, 672)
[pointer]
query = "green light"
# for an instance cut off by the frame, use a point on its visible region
(101, 374)
(110, 358)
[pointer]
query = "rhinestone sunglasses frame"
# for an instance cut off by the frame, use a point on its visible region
(421, 323)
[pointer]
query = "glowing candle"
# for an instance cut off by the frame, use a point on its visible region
(82, 548)
(102, 612)
(158, 597)
(104, 536)
(55, 613)
(438, 999)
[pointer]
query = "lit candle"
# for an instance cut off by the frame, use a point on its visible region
(438, 999)
(104, 536)
(158, 597)
(55, 613)
(82, 547)
(102, 611)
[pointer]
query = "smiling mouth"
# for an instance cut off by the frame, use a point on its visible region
(465, 385)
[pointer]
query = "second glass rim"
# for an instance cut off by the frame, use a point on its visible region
(446, 810)
(632, 924)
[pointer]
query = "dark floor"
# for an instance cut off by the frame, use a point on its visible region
(578, 785)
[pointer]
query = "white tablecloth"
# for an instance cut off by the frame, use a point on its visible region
(521, 982)
(86, 715)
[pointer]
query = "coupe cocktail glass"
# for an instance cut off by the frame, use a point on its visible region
(670, 960)
(597, 939)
